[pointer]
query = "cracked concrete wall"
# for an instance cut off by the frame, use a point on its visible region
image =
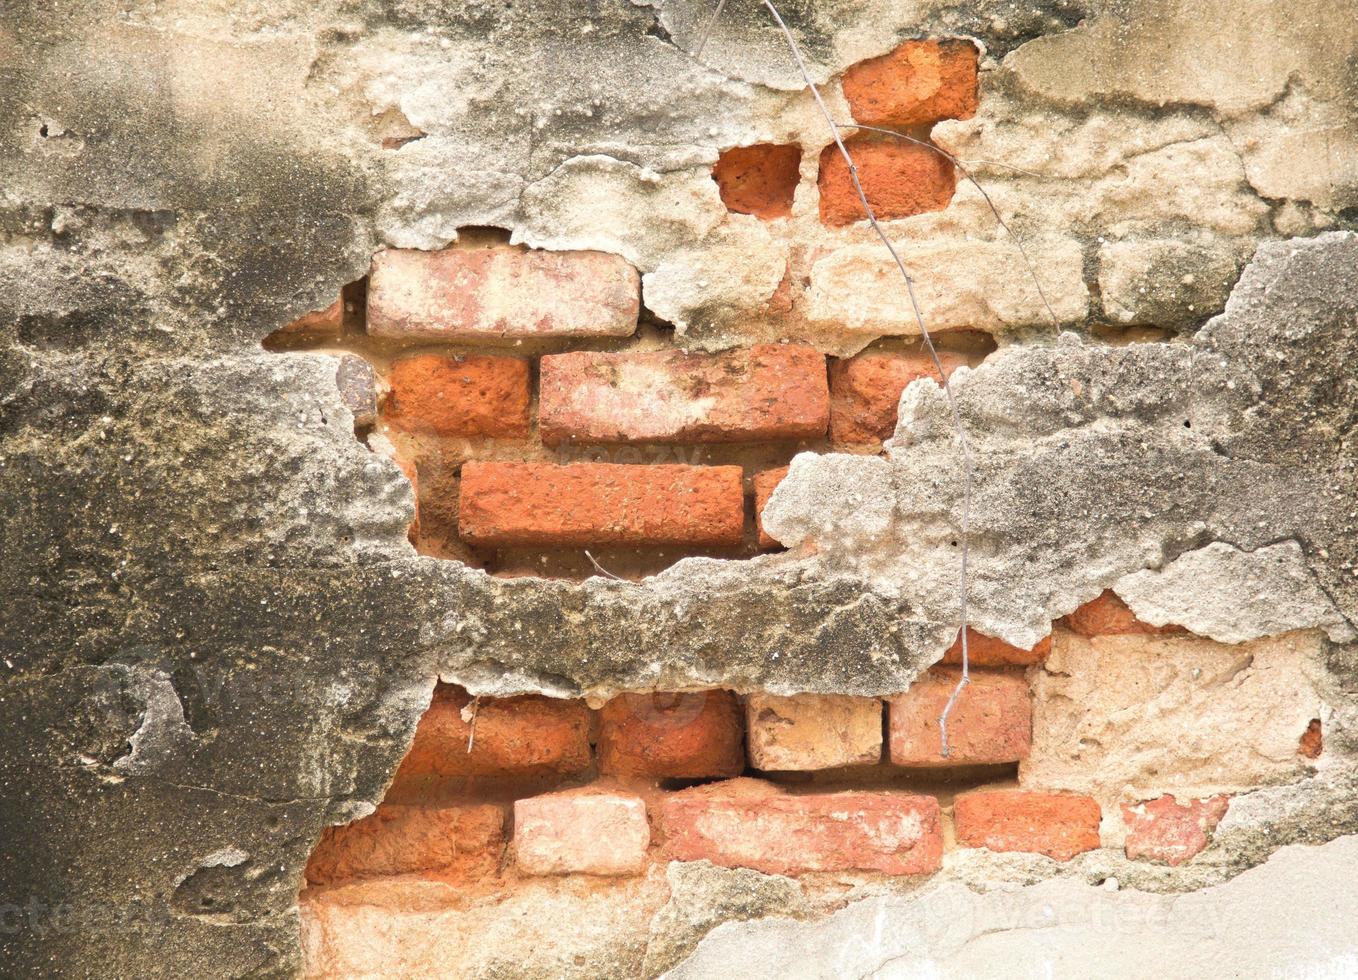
(216, 639)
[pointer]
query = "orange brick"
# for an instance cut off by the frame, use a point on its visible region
(991, 722)
(690, 735)
(521, 736)
(769, 391)
(899, 180)
(920, 82)
(1312, 740)
(585, 831)
(478, 293)
(321, 323)
(749, 824)
(1167, 830)
(1059, 825)
(473, 395)
(764, 484)
(1108, 615)
(986, 651)
(601, 503)
(760, 180)
(865, 391)
(449, 842)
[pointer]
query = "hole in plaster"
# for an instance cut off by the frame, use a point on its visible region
(760, 180)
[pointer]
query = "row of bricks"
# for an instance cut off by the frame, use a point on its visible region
(710, 734)
(764, 393)
(745, 823)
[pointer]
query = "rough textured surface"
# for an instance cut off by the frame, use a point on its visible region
(214, 624)
(992, 720)
(812, 731)
(581, 832)
(459, 396)
(1059, 825)
(457, 843)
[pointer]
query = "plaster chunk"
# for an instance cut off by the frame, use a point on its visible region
(1147, 714)
(1233, 596)
(1161, 281)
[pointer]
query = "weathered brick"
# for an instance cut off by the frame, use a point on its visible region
(581, 832)
(812, 731)
(991, 722)
(502, 291)
(521, 736)
(750, 824)
(769, 391)
(688, 735)
(1108, 615)
(865, 391)
(1059, 825)
(899, 180)
(760, 180)
(473, 395)
(601, 503)
(325, 322)
(1312, 741)
(987, 651)
(1171, 831)
(764, 484)
(919, 82)
(458, 842)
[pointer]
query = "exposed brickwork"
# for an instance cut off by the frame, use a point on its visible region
(987, 651)
(991, 722)
(474, 294)
(765, 392)
(760, 180)
(1059, 825)
(750, 824)
(1108, 615)
(601, 503)
(461, 843)
(919, 82)
(764, 483)
(812, 731)
(586, 832)
(693, 735)
(529, 735)
(1171, 830)
(476, 395)
(325, 322)
(899, 180)
(865, 391)
(1312, 740)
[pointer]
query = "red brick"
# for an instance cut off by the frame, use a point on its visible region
(865, 391)
(764, 484)
(1312, 741)
(581, 832)
(1059, 825)
(991, 722)
(770, 391)
(749, 824)
(322, 323)
(986, 651)
(760, 180)
(474, 395)
(1108, 615)
(522, 736)
(899, 180)
(1166, 830)
(689, 735)
(502, 291)
(585, 504)
(463, 843)
(920, 82)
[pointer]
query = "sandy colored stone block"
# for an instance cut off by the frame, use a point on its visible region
(1139, 715)
(461, 843)
(760, 180)
(681, 735)
(480, 293)
(1059, 825)
(990, 723)
(899, 179)
(919, 82)
(581, 832)
(865, 391)
(812, 731)
(769, 391)
(1171, 830)
(585, 504)
(465, 395)
(749, 824)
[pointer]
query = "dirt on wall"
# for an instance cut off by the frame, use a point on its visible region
(217, 639)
